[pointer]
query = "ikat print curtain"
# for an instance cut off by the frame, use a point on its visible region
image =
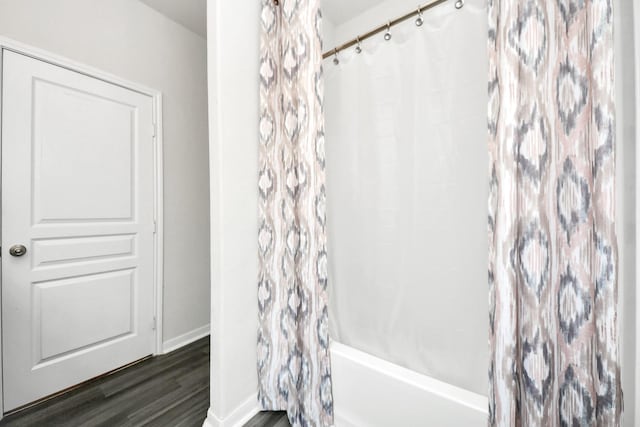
(294, 371)
(553, 257)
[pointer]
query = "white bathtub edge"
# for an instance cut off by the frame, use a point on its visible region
(413, 392)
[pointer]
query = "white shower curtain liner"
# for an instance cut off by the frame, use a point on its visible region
(406, 143)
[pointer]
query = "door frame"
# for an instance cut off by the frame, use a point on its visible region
(156, 96)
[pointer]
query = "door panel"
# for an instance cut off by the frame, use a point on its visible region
(78, 193)
(105, 314)
(62, 155)
(56, 252)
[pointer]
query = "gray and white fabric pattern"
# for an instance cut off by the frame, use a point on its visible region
(294, 369)
(552, 240)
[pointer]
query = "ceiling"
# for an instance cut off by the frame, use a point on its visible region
(340, 11)
(189, 13)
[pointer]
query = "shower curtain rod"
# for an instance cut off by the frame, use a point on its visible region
(386, 26)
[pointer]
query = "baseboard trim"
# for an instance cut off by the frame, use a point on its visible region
(239, 417)
(180, 341)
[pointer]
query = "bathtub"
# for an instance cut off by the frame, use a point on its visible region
(371, 392)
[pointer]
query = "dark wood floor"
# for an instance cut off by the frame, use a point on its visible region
(164, 391)
(269, 419)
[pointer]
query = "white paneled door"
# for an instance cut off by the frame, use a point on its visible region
(77, 228)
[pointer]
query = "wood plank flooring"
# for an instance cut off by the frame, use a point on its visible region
(269, 419)
(165, 391)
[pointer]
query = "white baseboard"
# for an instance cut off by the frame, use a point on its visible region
(239, 417)
(180, 341)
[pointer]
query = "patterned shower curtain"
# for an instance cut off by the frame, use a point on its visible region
(294, 371)
(553, 257)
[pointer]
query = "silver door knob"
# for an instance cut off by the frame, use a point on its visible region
(17, 250)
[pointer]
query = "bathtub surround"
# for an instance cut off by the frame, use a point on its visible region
(294, 372)
(553, 249)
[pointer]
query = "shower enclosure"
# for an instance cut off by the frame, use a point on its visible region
(407, 189)
(406, 209)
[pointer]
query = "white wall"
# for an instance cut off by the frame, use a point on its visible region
(635, 332)
(233, 52)
(128, 39)
(626, 200)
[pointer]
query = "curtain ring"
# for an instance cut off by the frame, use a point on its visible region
(358, 47)
(419, 21)
(459, 4)
(336, 61)
(276, 2)
(387, 35)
